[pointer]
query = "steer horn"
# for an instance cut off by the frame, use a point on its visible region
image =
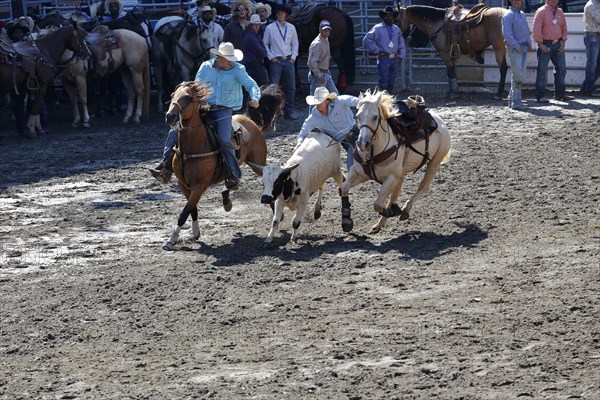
(255, 166)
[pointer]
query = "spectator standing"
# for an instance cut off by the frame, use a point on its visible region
(207, 18)
(517, 39)
(386, 41)
(550, 33)
(255, 51)
(591, 20)
(236, 28)
(319, 54)
(264, 12)
(281, 42)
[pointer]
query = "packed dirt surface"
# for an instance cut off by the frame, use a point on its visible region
(491, 290)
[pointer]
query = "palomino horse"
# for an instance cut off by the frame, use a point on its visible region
(434, 23)
(15, 66)
(341, 40)
(197, 161)
(178, 48)
(379, 155)
(131, 52)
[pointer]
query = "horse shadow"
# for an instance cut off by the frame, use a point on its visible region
(423, 246)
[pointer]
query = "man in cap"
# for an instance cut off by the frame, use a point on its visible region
(332, 115)
(224, 76)
(281, 42)
(319, 54)
(386, 41)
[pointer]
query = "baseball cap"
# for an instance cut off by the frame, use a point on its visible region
(325, 25)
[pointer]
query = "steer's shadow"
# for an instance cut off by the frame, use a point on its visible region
(409, 245)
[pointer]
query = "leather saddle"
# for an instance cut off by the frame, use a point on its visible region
(23, 54)
(102, 41)
(240, 135)
(458, 22)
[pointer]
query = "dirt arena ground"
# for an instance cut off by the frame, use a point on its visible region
(490, 291)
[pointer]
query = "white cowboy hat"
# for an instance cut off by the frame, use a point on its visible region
(267, 7)
(227, 51)
(255, 19)
(321, 94)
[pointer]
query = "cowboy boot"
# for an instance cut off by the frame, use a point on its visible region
(163, 171)
(232, 182)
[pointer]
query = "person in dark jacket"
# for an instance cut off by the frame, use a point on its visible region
(255, 51)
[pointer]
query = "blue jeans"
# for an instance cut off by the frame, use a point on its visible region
(560, 71)
(388, 70)
(282, 72)
(592, 65)
(518, 66)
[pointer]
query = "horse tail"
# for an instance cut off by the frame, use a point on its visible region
(269, 107)
(146, 103)
(348, 50)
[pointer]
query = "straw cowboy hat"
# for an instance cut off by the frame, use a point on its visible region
(388, 10)
(245, 3)
(267, 7)
(227, 51)
(208, 9)
(321, 94)
(28, 20)
(255, 19)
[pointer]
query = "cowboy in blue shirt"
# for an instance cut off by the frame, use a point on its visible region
(386, 41)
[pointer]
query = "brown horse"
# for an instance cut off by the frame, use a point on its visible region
(13, 75)
(433, 22)
(341, 40)
(197, 162)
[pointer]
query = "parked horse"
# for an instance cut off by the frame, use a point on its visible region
(473, 41)
(341, 40)
(128, 56)
(197, 162)
(36, 70)
(381, 156)
(179, 47)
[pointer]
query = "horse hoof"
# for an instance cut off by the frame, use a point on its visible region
(86, 124)
(404, 215)
(125, 120)
(347, 224)
(317, 215)
(375, 229)
(75, 124)
(265, 245)
(168, 246)
(227, 207)
(193, 238)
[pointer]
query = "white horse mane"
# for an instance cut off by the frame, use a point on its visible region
(386, 102)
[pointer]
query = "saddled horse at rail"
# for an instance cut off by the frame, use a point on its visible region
(197, 161)
(476, 29)
(121, 51)
(341, 40)
(179, 46)
(24, 66)
(386, 155)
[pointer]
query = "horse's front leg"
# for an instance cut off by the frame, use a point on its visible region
(190, 208)
(354, 178)
(383, 204)
(131, 90)
(390, 206)
(73, 99)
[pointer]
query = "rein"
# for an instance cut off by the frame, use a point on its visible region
(369, 163)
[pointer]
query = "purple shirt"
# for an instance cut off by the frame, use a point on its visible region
(386, 38)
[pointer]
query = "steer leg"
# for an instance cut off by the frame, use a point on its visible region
(278, 213)
(302, 204)
(318, 205)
